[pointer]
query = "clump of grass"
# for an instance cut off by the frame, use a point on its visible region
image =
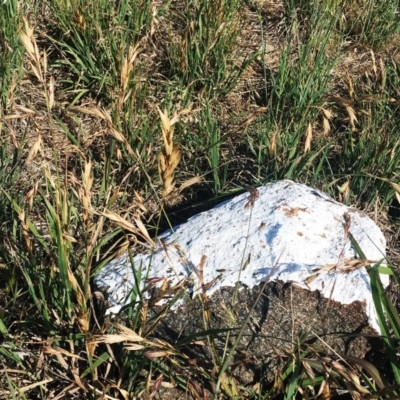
(373, 24)
(99, 38)
(11, 52)
(38, 64)
(201, 56)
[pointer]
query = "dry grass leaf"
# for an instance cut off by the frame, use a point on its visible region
(105, 116)
(125, 335)
(31, 195)
(327, 126)
(175, 157)
(327, 113)
(350, 85)
(309, 371)
(108, 339)
(326, 117)
(346, 227)
(13, 116)
(343, 267)
(309, 136)
(124, 393)
(29, 42)
(394, 185)
(397, 196)
(69, 238)
(82, 317)
(89, 111)
(167, 124)
(44, 62)
(348, 105)
(272, 143)
(200, 268)
(25, 230)
(144, 231)
(50, 93)
(140, 229)
(139, 202)
(24, 109)
(190, 182)
(324, 392)
(131, 335)
(35, 148)
(374, 68)
(344, 190)
(34, 385)
(229, 385)
(353, 264)
(340, 100)
(122, 249)
(87, 176)
(120, 137)
(383, 73)
(59, 350)
(127, 65)
(85, 194)
(151, 354)
(133, 347)
(356, 382)
(171, 155)
(26, 42)
(352, 116)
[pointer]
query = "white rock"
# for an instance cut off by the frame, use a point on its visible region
(290, 233)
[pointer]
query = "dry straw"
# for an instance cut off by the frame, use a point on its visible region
(171, 155)
(103, 114)
(38, 65)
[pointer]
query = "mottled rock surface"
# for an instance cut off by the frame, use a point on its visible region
(283, 231)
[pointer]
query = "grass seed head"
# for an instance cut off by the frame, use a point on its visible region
(309, 136)
(171, 155)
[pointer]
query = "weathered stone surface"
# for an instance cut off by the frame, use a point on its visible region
(284, 232)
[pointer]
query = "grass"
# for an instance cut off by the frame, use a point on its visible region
(115, 114)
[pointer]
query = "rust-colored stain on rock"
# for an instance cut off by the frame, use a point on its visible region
(292, 212)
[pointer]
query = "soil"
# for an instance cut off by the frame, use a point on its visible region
(286, 321)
